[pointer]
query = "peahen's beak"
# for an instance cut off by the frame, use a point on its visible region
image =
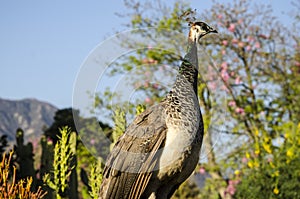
(214, 31)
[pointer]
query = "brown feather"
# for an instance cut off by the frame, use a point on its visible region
(129, 166)
(146, 170)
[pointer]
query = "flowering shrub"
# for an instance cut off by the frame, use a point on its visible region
(10, 188)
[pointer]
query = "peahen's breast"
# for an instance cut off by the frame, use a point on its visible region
(183, 120)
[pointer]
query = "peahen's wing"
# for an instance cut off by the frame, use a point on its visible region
(129, 166)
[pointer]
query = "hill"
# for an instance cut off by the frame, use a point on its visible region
(31, 115)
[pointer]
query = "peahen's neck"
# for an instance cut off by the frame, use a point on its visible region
(188, 71)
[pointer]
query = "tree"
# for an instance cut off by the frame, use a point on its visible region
(63, 117)
(249, 88)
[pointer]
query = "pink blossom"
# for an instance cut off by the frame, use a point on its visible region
(238, 80)
(49, 141)
(146, 84)
(137, 84)
(257, 45)
(225, 75)
(34, 143)
(240, 21)
(223, 87)
(234, 41)
(231, 103)
(240, 110)
(224, 65)
(250, 39)
(155, 86)
(262, 113)
(232, 73)
(212, 85)
(223, 52)
(150, 47)
(148, 100)
(248, 48)
(149, 61)
(202, 170)
(241, 44)
(231, 27)
(230, 189)
(163, 67)
(145, 61)
(244, 160)
(231, 182)
(92, 141)
(297, 63)
(147, 73)
(225, 42)
(220, 16)
(38, 174)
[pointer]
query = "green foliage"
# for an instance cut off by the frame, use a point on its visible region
(187, 190)
(209, 190)
(95, 136)
(119, 118)
(95, 179)
(62, 165)
(274, 172)
(140, 108)
(85, 160)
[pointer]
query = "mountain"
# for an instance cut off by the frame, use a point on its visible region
(31, 115)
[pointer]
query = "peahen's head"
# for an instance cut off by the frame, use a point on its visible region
(198, 30)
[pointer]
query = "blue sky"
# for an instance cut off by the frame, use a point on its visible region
(44, 43)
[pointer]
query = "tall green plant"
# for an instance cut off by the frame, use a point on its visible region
(62, 165)
(119, 118)
(95, 179)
